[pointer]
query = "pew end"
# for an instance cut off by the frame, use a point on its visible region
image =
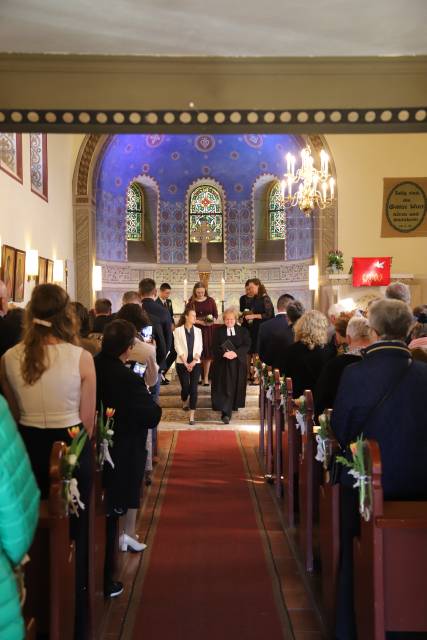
(390, 562)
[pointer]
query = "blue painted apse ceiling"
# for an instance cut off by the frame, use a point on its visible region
(174, 163)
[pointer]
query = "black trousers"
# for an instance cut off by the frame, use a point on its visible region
(189, 382)
(170, 359)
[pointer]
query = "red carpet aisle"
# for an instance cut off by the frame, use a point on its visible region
(207, 576)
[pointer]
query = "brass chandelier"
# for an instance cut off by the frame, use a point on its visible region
(307, 188)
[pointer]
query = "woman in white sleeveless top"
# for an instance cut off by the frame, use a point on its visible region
(50, 384)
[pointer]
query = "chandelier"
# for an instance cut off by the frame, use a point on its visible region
(307, 188)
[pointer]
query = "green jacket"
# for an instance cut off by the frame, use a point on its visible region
(19, 512)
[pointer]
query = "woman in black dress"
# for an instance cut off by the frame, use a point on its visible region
(230, 348)
(261, 309)
(135, 412)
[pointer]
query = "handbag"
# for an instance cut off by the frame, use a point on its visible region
(336, 468)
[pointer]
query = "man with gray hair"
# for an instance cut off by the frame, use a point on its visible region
(383, 398)
(131, 297)
(398, 291)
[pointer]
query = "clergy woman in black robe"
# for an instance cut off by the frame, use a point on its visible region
(230, 348)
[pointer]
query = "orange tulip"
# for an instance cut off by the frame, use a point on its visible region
(353, 448)
(110, 412)
(73, 432)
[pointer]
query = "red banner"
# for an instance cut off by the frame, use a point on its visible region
(371, 272)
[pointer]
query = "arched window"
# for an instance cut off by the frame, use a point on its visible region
(206, 206)
(134, 212)
(276, 213)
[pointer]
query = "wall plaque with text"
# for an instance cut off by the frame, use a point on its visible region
(404, 208)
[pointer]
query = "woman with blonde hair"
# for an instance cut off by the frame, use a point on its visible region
(50, 385)
(304, 360)
(206, 314)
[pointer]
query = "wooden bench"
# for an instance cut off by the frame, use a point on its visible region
(279, 425)
(390, 562)
(97, 539)
(261, 402)
(290, 453)
(50, 574)
(306, 484)
(329, 534)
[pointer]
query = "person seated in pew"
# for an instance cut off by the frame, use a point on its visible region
(304, 360)
(19, 514)
(50, 385)
(358, 337)
(135, 412)
(275, 335)
(11, 329)
(295, 310)
(383, 397)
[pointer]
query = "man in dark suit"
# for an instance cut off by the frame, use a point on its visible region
(383, 397)
(158, 315)
(164, 300)
(103, 315)
(275, 335)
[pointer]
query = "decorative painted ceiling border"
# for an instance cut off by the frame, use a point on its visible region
(293, 120)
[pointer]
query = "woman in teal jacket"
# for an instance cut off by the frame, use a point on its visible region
(19, 512)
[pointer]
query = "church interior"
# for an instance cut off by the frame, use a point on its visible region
(222, 474)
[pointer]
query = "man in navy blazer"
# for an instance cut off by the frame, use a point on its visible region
(275, 335)
(383, 397)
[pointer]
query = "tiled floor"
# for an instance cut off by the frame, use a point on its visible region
(293, 587)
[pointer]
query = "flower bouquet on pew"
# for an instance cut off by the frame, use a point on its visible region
(300, 412)
(357, 469)
(323, 433)
(69, 464)
(105, 433)
(283, 391)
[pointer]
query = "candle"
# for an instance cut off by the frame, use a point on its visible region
(185, 290)
(324, 190)
(332, 187)
(222, 289)
(288, 162)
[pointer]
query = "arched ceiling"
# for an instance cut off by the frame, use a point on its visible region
(220, 28)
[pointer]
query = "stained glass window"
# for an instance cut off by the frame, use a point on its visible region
(11, 154)
(276, 214)
(38, 164)
(135, 213)
(206, 206)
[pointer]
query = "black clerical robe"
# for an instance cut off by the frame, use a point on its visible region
(228, 390)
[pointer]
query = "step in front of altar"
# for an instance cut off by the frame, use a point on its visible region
(176, 414)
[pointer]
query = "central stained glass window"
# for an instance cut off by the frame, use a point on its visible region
(206, 206)
(134, 213)
(276, 213)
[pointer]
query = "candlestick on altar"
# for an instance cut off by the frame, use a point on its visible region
(222, 293)
(185, 290)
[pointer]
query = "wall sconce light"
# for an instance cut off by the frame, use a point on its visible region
(97, 278)
(32, 263)
(313, 277)
(58, 271)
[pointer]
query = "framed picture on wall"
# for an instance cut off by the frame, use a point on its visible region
(19, 289)
(8, 261)
(42, 270)
(49, 272)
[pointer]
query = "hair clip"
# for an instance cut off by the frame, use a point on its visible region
(43, 323)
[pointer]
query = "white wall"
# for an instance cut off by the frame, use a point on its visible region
(362, 161)
(26, 220)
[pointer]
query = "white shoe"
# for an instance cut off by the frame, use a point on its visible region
(128, 543)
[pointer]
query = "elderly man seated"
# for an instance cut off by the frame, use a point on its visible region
(383, 397)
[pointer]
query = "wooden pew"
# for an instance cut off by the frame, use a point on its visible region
(278, 435)
(290, 452)
(269, 452)
(50, 574)
(390, 562)
(306, 485)
(329, 533)
(97, 539)
(261, 447)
